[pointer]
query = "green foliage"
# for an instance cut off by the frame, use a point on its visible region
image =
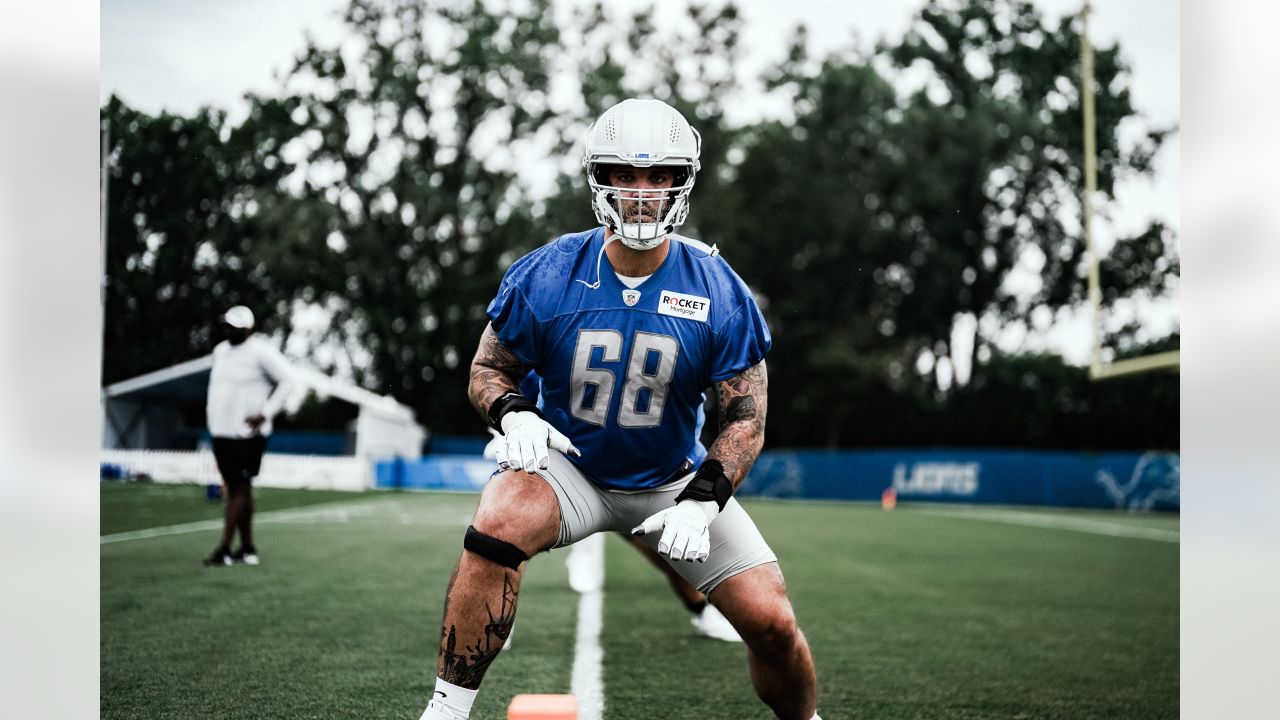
(883, 213)
(181, 230)
(423, 223)
(1038, 397)
(917, 183)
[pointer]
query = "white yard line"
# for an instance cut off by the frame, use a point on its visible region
(1058, 522)
(337, 510)
(160, 531)
(588, 674)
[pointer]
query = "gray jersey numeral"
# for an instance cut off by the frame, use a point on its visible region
(649, 368)
(645, 345)
(585, 377)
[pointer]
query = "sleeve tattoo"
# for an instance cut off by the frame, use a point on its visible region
(494, 372)
(743, 401)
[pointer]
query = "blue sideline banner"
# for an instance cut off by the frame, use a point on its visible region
(435, 472)
(1132, 480)
(1124, 480)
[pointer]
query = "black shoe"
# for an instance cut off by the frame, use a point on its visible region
(246, 555)
(219, 558)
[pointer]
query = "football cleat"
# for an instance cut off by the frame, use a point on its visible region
(247, 556)
(219, 558)
(437, 710)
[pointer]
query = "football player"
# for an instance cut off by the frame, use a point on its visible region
(627, 324)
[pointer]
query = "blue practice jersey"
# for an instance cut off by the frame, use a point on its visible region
(623, 370)
(531, 389)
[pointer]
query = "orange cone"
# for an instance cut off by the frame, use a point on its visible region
(888, 498)
(543, 707)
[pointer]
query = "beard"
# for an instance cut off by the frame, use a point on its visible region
(643, 212)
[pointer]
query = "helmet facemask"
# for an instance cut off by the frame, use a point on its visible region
(640, 217)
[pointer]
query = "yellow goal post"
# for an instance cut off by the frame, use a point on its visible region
(1098, 370)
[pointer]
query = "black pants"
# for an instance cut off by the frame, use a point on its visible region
(239, 459)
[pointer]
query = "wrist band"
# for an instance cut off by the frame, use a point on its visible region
(507, 403)
(709, 483)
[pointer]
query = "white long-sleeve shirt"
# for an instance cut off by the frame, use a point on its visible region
(240, 386)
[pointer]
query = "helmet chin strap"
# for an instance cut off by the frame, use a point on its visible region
(596, 285)
(600, 256)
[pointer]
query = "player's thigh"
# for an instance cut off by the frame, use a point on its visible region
(736, 547)
(519, 508)
(584, 508)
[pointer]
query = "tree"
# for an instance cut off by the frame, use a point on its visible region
(1037, 400)
(885, 214)
(393, 182)
(401, 214)
(693, 64)
(181, 227)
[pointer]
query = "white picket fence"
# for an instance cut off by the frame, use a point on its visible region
(312, 472)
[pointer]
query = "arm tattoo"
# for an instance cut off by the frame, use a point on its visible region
(743, 402)
(494, 372)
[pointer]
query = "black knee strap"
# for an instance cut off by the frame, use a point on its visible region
(491, 548)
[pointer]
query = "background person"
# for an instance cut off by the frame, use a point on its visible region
(240, 407)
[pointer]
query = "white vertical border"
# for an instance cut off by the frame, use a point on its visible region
(50, 322)
(1230, 388)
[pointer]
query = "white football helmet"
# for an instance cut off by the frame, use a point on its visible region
(641, 133)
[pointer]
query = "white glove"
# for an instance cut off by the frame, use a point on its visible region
(686, 533)
(496, 449)
(528, 437)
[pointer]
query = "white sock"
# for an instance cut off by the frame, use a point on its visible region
(449, 702)
(815, 716)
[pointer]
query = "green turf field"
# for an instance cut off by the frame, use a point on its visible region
(923, 612)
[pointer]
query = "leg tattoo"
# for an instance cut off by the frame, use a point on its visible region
(467, 668)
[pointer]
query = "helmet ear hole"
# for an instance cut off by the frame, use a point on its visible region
(600, 172)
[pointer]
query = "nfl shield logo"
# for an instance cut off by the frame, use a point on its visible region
(630, 297)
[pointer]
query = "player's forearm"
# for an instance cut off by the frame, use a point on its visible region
(744, 403)
(736, 448)
(487, 385)
(494, 373)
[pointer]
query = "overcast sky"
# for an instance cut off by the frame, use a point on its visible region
(181, 54)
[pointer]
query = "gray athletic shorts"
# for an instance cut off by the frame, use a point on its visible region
(736, 544)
